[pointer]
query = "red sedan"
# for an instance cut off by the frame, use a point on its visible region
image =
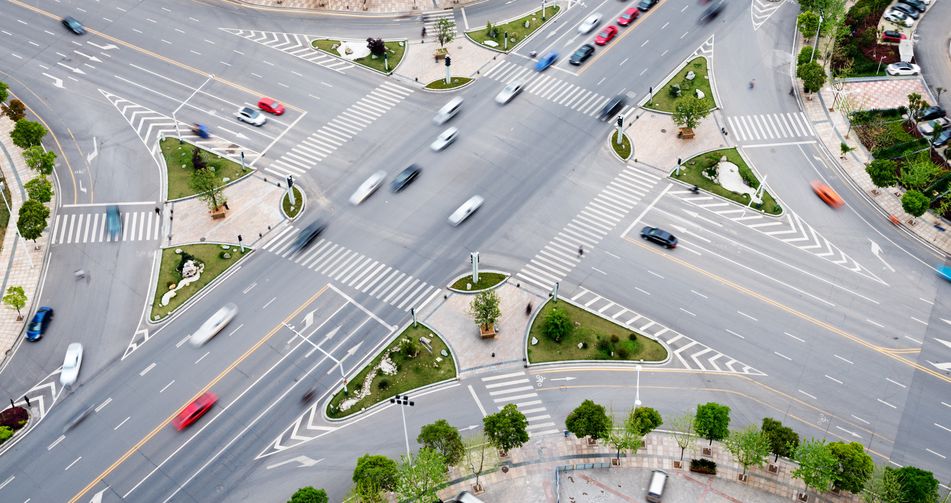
(628, 17)
(828, 196)
(194, 410)
(271, 106)
(606, 35)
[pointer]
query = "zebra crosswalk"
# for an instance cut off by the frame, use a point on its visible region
(338, 130)
(75, 228)
(758, 127)
(560, 256)
(517, 388)
(351, 268)
(431, 20)
(295, 45)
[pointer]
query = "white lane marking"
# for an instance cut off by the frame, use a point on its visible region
(645, 292)
(919, 321)
(235, 330)
(611, 254)
(843, 359)
(879, 325)
(943, 428)
(122, 423)
(782, 356)
(478, 403)
(935, 453)
(794, 337)
(926, 300)
(147, 369)
(249, 288)
(699, 294)
(734, 333)
(860, 419)
(183, 341)
(886, 403)
(896, 383)
(73, 463)
(833, 379)
(655, 274)
(202, 357)
(688, 312)
(748, 316)
(807, 394)
(167, 385)
(648, 208)
(268, 303)
(103, 404)
(61, 437)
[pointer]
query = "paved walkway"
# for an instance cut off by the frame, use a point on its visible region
(467, 58)
(361, 6)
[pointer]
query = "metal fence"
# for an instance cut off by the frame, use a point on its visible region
(571, 468)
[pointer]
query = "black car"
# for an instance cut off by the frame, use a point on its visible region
(659, 236)
(309, 234)
(941, 139)
(583, 53)
(918, 5)
(906, 10)
(405, 178)
(73, 25)
(645, 5)
(711, 12)
(930, 113)
(613, 106)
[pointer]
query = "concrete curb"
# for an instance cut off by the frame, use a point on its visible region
(470, 292)
(450, 90)
(612, 142)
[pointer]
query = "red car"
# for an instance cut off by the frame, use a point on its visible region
(606, 35)
(893, 36)
(271, 106)
(194, 410)
(827, 195)
(628, 17)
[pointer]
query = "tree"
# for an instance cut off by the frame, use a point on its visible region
(883, 172)
(32, 219)
(588, 420)
(490, 31)
(689, 111)
(625, 438)
(445, 31)
(557, 324)
(805, 54)
(4, 91)
(39, 189)
(882, 487)
(854, 466)
(683, 426)
(507, 428)
(712, 421)
(643, 420)
(376, 46)
(915, 203)
(749, 446)
(817, 464)
(919, 172)
(813, 76)
(16, 110)
(15, 298)
(782, 439)
(917, 485)
(443, 438)
(808, 23)
(475, 456)
(40, 160)
(209, 188)
(26, 133)
(375, 473)
(198, 162)
(418, 476)
(485, 309)
(308, 495)
(915, 104)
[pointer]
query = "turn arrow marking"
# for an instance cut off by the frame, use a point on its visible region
(56, 82)
(74, 70)
(303, 461)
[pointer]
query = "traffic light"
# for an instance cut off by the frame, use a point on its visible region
(620, 121)
(448, 60)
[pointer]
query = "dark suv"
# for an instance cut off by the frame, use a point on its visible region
(659, 236)
(930, 113)
(918, 5)
(613, 106)
(583, 53)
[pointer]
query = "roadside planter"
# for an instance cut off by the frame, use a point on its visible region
(487, 280)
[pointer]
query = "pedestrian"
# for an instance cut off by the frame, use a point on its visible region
(580, 251)
(493, 355)
(27, 400)
(158, 211)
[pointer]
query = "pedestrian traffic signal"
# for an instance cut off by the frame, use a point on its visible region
(448, 60)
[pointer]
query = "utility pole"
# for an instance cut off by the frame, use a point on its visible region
(448, 71)
(637, 392)
(403, 401)
(474, 260)
(815, 47)
(620, 128)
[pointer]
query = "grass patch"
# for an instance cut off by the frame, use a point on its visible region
(215, 264)
(516, 29)
(486, 280)
(453, 83)
(178, 158)
(326, 45)
(599, 336)
(395, 49)
(624, 149)
(664, 101)
(692, 173)
(4, 213)
(411, 372)
(292, 211)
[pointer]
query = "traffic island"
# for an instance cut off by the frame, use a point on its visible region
(292, 210)
(623, 149)
(417, 357)
(12, 419)
(454, 83)
(486, 281)
(691, 80)
(725, 173)
(562, 331)
(493, 36)
(186, 269)
(182, 163)
(387, 57)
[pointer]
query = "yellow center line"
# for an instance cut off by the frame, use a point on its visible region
(214, 381)
(627, 30)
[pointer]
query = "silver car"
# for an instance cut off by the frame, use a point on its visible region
(589, 24)
(509, 91)
(368, 187)
(928, 128)
(469, 207)
(213, 325)
(444, 139)
(251, 116)
(902, 68)
(71, 364)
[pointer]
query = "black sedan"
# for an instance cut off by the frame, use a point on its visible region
(583, 53)
(659, 236)
(309, 234)
(405, 178)
(613, 106)
(930, 113)
(918, 5)
(645, 5)
(942, 139)
(73, 25)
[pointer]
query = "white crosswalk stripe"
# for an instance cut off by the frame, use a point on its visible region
(90, 227)
(355, 270)
(299, 46)
(774, 126)
(431, 19)
(516, 388)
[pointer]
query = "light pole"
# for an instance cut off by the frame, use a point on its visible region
(880, 63)
(403, 401)
(815, 46)
(637, 393)
(178, 130)
(10, 211)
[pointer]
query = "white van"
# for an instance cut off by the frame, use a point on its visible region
(655, 490)
(448, 111)
(213, 325)
(465, 497)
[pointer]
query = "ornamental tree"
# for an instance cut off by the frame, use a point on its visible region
(683, 427)
(783, 440)
(915, 203)
(443, 438)
(32, 219)
(507, 428)
(883, 172)
(917, 485)
(854, 466)
(485, 309)
(26, 133)
(689, 111)
(418, 476)
(813, 76)
(643, 420)
(749, 446)
(808, 23)
(375, 473)
(308, 494)
(588, 420)
(712, 421)
(817, 465)
(557, 324)
(15, 298)
(208, 187)
(39, 160)
(376, 46)
(39, 189)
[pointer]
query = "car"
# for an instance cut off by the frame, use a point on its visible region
(200, 130)
(73, 25)
(590, 23)
(928, 128)
(368, 187)
(711, 12)
(907, 10)
(251, 116)
(444, 139)
(405, 178)
(71, 364)
(944, 271)
(509, 91)
(462, 212)
(893, 36)
(214, 324)
(645, 5)
(546, 61)
(918, 5)
(582, 54)
(628, 16)
(902, 68)
(309, 234)
(79, 417)
(941, 139)
(613, 106)
(448, 111)
(113, 221)
(606, 35)
(40, 322)
(194, 410)
(930, 113)
(271, 106)
(659, 236)
(899, 18)
(827, 195)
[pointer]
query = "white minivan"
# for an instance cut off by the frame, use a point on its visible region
(448, 111)
(655, 489)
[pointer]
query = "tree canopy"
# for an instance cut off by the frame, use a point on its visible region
(588, 420)
(308, 494)
(689, 111)
(813, 76)
(817, 464)
(883, 172)
(782, 439)
(917, 485)
(557, 324)
(27, 133)
(749, 446)
(712, 421)
(418, 476)
(443, 438)
(375, 472)
(643, 420)
(915, 202)
(854, 466)
(485, 308)
(39, 189)
(31, 221)
(507, 428)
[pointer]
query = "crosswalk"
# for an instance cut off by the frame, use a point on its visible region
(689, 352)
(517, 388)
(76, 228)
(560, 256)
(296, 45)
(551, 88)
(351, 268)
(430, 20)
(773, 126)
(323, 142)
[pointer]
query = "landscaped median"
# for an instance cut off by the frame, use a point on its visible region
(707, 172)
(486, 280)
(187, 269)
(493, 36)
(679, 86)
(405, 364)
(394, 50)
(292, 210)
(454, 82)
(180, 162)
(623, 149)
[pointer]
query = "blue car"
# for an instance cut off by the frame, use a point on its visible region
(39, 323)
(113, 221)
(945, 271)
(546, 61)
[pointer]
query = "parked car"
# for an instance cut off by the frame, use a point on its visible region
(71, 364)
(194, 410)
(827, 195)
(659, 236)
(462, 212)
(590, 23)
(929, 127)
(645, 5)
(546, 61)
(893, 36)
(40, 322)
(309, 234)
(606, 35)
(930, 113)
(907, 10)
(271, 106)
(582, 54)
(73, 25)
(405, 178)
(613, 106)
(902, 68)
(628, 16)
(509, 91)
(941, 139)
(918, 5)
(113, 221)
(444, 139)
(899, 18)
(214, 324)
(250, 116)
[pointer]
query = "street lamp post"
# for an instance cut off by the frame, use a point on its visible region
(10, 211)
(403, 401)
(816, 45)
(637, 392)
(880, 63)
(178, 130)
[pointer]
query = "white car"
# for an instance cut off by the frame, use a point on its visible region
(368, 187)
(589, 24)
(902, 68)
(899, 17)
(469, 207)
(251, 116)
(443, 140)
(509, 91)
(214, 324)
(928, 128)
(71, 364)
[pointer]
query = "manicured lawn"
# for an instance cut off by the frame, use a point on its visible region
(599, 336)
(663, 101)
(178, 158)
(327, 45)
(453, 83)
(486, 280)
(624, 149)
(209, 254)
(411, 373)
(396, 49)
(516, 29)
(292, 211)
(4, 214)
(692, 173)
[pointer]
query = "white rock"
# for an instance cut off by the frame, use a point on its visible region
(534, 341)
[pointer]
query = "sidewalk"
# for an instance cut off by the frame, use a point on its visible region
(368, 6)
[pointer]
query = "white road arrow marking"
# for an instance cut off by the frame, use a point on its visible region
(308, 319)
(942, 341)
(95, 151)
(56, 82)
(97, 498)
(103, 47)
(470, 427)
(303, 461)
(945, 367)
(564, 378)
(876, 250)
(90, 58)
(81, 188)
(331, 333)
(74, 70)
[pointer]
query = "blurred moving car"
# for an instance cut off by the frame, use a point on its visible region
(613, 106)
(628, 16)
(448, 111)
(213, 324)
(509, 91)
(113, 221)
(944, 271)
(405, 178)
(271, 106)
(659, 236)
(546, 61)
(194, 410)
(71, 364)
(606, 35)
(645, 5)
(827, 195)
(368, 187)
(40, 322)
(902, 68)
(462, 212)
(582, 54)
(79, 417)
(200, 130)
(73, 25)
(251, 116)
(712, 11)
(444, 139)
(309, 234)
(589, 24)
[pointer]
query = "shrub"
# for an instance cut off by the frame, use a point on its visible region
(915, 202)
(805, 55)
(615, 339)
(882, 172)
(14, 417)
(5, 433)
(16, 110)
(383, 385)
(557, 324)
(705, 466)
(604, 346)
(899, 150)
(675, 91)
(409, 348)
(623, 353)
(632, 337)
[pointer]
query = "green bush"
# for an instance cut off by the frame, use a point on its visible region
(901, 149)
(5, 433)
(705, 466)
(383, 385)
(557, 324)
(805, 54)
